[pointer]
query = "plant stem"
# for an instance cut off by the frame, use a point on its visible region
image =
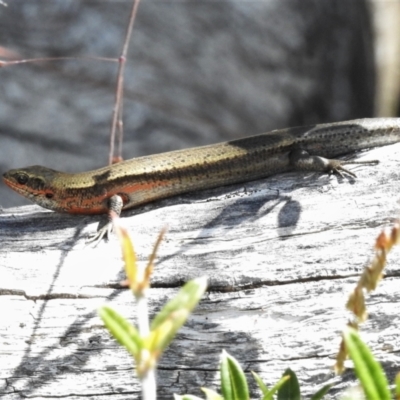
(117, 111)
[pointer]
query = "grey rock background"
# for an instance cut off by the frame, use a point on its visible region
(198, 73)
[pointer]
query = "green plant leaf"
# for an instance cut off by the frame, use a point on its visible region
(150, 265)
(276, 387)
(125, 333)
(290, 390)
(211, 394)
(368, 370)
(233, 379)
(260, 383)
(161, 337)
(173, 315)
(397, 387)
(322, 392)
(128, 253)
(268, 394)
(186, 397)
(186, 299)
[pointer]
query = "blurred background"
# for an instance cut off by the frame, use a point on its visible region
(198, 72)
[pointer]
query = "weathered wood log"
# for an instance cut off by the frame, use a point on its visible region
(282, 255)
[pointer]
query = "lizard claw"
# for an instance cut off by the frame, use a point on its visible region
(115, 207)
(336, 167)
(97, 237)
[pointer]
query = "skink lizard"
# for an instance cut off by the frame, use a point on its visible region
(141, 180)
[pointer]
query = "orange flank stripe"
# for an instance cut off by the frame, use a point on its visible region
(98, 204)
(142, 186)
(86, 211)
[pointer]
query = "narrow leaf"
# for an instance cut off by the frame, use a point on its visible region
(260, 383)
(160, 338)
(226, 387)
(368, 370)
(322, 392)
(211, 394)
(128, 253)
(186, 299)
(150, 265)
(233, 380)
(397, 387)
(290, 390)
(122, 330)
(276, 387)
(186, 397)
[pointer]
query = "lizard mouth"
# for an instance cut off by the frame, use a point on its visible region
(10, 183)
(18, 188)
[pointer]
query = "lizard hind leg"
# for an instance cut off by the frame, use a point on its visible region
(301, 160)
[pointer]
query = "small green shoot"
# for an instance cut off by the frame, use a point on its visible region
(233, 379)
(290, 390)
(322, 392)
(268, 394)
(123, 331)
(147, 343)
(367, 368)
(397, 387)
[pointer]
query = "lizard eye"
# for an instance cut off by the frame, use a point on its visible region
(22, 179)
(49, 195)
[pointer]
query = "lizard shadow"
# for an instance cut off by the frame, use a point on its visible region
(247, 208)
(41, 222)
(251, 205)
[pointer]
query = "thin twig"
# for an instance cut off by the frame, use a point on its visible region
(117, 117)
(45, 59)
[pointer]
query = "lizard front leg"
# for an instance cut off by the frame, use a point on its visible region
(115, 204)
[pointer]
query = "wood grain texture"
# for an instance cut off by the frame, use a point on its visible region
(281, 255)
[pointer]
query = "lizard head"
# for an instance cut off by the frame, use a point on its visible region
(34, 183)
